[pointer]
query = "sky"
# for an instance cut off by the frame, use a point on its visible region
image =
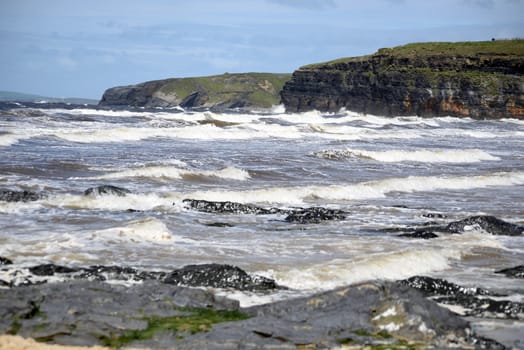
(78, 48)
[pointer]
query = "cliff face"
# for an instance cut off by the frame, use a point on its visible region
(477, 79)
(251, 90)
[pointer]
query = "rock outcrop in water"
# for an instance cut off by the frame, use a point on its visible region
(106, 190)
(475, 301)
(203, 275)
(486, 223)
(470, 79)
(219, 276)
(489, 224)
(246, 90)
(19, 196)
(513, 272)
(313, 215)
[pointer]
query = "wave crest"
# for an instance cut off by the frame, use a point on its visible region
(423, 156)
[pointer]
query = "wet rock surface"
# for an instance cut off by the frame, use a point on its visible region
(161, 316)
(487, 223)
(92, 312)
(475, 301)
(484, 223)
(514, 272)
(5, 261)
(227, 207)
(420, 233)
(219, 276)
(205, 275)
(107, 190)
(19, 196)
(313, 215)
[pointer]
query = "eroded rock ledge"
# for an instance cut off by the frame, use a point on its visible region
(470, 79)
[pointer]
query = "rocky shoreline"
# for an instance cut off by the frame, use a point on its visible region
(122, 306)
(185, 308)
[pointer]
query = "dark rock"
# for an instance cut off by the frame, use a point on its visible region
(83, 312)
(485, 307)
(485, 343)
(207, 275)
(219, 276)
(300, 215)
(219, 224)
(489, 224)
(434, 215)
(474, 300)
(195, 99)
(378, 314)
(315, 215)
(420, 233)
(106, 190)
(19, 196)
(515, 272)
(382, 315)
(105, 273)
(430, 286)
(50, 270)
(227, 207)
(5, 261)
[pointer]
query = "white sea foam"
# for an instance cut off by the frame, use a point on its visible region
(425, 156)
(10, 139)
(169, 172)
(364, 190)
(393, 266)
(142, 230)
(149, 201)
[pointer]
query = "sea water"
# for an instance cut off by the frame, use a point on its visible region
(387, 173)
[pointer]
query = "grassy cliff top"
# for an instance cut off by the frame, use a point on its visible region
(513, 47)
(260, 89)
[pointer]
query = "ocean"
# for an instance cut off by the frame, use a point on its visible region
(388, 174)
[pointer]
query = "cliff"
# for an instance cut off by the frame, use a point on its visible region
(250, 90)
(467, 79)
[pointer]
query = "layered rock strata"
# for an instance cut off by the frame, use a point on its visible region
(470, 79)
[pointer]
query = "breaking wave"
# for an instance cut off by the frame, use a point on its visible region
(363, 190)
(424, 156)
(169, 172)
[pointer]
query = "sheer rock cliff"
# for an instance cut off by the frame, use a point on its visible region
(482, 80)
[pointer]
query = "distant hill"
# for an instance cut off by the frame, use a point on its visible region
(239, 90)
(21, 97)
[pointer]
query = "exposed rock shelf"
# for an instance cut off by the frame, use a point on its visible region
(470, 79)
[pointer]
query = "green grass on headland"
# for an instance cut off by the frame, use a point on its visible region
(514, 47)
(258, 89)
